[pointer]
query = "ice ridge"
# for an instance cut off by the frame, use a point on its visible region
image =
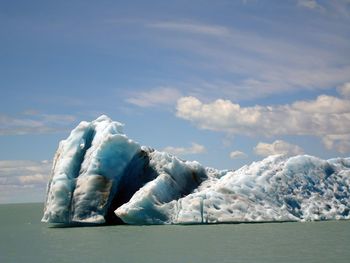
(101, 176)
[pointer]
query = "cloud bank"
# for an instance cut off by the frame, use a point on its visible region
(327, 117)
(23, 180)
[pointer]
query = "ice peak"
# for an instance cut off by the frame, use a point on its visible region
(103, 118)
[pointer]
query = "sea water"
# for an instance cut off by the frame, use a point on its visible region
(24, 239)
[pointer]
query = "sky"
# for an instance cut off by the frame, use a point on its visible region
(225, 83)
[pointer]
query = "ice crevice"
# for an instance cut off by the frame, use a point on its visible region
(101, 176)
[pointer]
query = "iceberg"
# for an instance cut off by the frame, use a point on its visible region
(100, 176)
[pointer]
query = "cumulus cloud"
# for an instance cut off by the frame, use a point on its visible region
(327, 117)
(33, 122)
(193, 149)
(277, 147)
(340, 142)
(155, 97)
(344, 90)
(237, 154)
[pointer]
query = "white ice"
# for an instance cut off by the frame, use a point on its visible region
(99, 175)
(86, 171)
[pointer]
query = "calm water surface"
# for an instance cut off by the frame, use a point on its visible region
(24, 239)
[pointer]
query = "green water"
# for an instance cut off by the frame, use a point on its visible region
(24, 239)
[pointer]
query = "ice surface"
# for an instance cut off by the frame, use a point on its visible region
(99, 176)
(175, 179)
(275, 189)
(86, 171)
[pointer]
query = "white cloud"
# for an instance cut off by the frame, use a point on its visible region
(310, 4)
(32, 122)
(335, 8)
(344, 90)
(193, 149)
(155, 97)
(340, 7)
(327, 117)
(340, 142)
(323, 105)
(237, 154)
(278, 64)
(23, 180)
(24, 173)
(192, 28)
(277, 147)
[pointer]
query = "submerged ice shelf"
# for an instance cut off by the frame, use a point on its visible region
(101, 176)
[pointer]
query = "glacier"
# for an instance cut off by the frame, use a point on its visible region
(100, 176)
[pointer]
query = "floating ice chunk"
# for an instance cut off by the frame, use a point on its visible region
(99, 175)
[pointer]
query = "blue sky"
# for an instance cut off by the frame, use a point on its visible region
(225, 82)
